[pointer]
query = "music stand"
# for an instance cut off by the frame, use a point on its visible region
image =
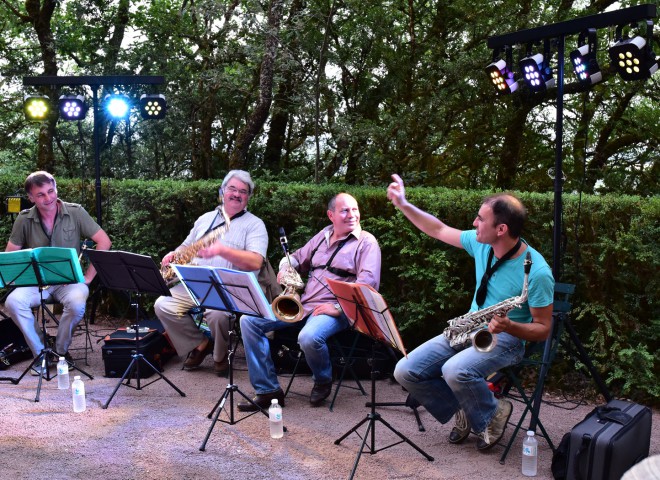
(368, 313)
(138, 274)
(41, 267)
(234, 292)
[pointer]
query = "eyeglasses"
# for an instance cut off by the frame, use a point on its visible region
(234, 190)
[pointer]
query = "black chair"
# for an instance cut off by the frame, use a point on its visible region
(538, 356)
(343, 348)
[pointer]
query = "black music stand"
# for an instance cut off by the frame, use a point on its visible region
(40, 267)
(234, 292)
(138, 274)
(369, 314)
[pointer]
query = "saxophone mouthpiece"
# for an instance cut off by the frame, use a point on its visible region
(283, 241)
(528, 263)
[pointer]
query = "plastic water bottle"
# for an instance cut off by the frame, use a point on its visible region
(62, 374)
(530, 455)
(78, 391)
(275, 416)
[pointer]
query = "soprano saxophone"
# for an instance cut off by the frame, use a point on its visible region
(473, 326)
(185, 255)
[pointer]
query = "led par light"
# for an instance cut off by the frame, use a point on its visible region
(72, 107)
(634, 58)
(585, 64)
(117, 106)
(153, 106)
(36, 108)
(500, 73)
(536, 74)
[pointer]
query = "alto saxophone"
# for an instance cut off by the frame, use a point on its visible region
(185, 255)
(473, 326)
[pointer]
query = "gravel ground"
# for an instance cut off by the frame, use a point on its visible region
(154, 433)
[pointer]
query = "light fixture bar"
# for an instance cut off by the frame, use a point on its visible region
(569, 27)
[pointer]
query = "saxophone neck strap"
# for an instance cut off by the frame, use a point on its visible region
(490, 269)
(217, 214)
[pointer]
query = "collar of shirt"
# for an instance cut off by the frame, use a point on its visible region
(33, 214)
(330, 230)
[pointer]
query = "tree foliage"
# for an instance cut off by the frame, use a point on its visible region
(321, 90)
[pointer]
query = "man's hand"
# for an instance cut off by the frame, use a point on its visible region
(216, 248)
(326, 309)
(396, 192)
(167, 259)
(499, 324)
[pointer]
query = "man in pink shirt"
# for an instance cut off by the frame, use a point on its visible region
(341, 251)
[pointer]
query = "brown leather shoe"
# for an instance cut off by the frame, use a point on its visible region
(320, 392)
(221, 368)
(262, 401)
(196, 357)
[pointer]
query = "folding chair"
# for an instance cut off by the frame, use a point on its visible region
(538, 355)
(341, 355)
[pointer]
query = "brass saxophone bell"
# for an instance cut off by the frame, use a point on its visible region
(287, 306)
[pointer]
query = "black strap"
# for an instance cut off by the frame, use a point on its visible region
(337, 271)
(211, 228)
(483, 287)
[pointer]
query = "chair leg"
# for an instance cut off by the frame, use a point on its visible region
(347, 367)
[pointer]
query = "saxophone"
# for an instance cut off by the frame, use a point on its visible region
(184, 256)
(286, 306)
(473, 326)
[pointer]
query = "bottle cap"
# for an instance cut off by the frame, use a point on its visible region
(530, 433)
(77, 377)
(273, 401)
(62, 358)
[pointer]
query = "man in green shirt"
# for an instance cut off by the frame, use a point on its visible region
(51, 223)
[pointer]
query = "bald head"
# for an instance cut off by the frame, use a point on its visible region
(508, 210)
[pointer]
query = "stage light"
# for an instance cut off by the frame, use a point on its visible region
(118, 106)
(72, 107)
(634, 58)
(153, 106)
(585, 64)
(36, 108)
(500, 73)
(537, 72)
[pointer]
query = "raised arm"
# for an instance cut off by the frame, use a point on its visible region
(426, 222)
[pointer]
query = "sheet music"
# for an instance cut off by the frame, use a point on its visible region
(246, 292)
(198, 281)
(376, 319)
(56, 266)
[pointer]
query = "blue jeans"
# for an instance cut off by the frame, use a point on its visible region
(312, 339)
(444, 379)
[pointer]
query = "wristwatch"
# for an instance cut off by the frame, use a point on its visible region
(337, 307)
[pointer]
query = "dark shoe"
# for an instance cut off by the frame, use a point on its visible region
(221, 368)
(196, 357)
(495, 429)
(461, 428)
(320, 392)
(262, 401)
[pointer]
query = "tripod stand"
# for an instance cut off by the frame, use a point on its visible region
(139, 274)
(369, 314)
(41, 267)
(234, 292)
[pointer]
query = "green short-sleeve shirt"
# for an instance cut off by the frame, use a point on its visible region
(72, 223)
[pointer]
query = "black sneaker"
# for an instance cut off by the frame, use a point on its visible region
(262, 401)
(461, 428)
(320, 392)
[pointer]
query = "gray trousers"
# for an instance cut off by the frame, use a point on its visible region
(181, 328)
(21, 301)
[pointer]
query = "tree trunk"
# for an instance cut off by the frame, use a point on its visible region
(256, 121)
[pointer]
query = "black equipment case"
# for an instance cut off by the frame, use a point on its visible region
(119, 347)
(609, 441)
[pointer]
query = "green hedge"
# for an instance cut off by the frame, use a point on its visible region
(609, 243)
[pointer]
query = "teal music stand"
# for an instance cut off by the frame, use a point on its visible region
(41, 267)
